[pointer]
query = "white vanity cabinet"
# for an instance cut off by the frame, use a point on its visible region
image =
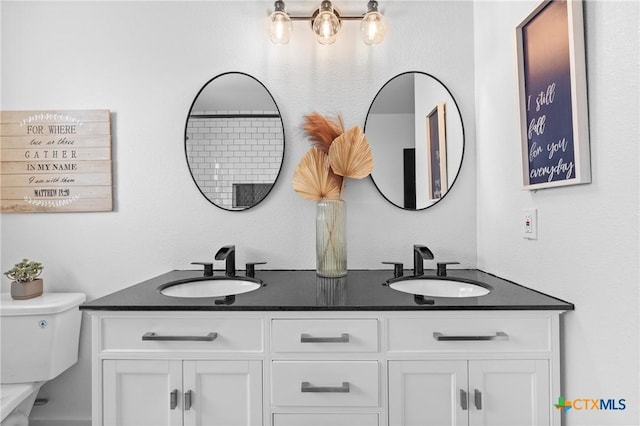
(326, 368)
(461, 393)
(173, 369)
(190, 393)
(139, 392)
(473, 369)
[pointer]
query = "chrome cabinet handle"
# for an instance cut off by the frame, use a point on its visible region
(307, 387)
(150, 335)
(173, 399)
(477, 399)
(188, 399)
(307, 338)
(463, 400)
(444, 338)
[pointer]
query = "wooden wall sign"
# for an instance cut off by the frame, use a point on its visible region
(55, 161)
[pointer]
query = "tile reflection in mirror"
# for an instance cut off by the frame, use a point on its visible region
(234, 141)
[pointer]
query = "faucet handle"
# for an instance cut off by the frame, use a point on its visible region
(251, 268)
(208, 268)
(398, 268)
(442, 268)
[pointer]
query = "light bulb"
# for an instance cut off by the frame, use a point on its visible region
(279, 24)
(373, 27)
(326, 24)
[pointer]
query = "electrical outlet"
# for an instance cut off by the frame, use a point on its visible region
(530, 224)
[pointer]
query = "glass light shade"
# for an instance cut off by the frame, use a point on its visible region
(373, 28)
(326, 25)
(279, 27)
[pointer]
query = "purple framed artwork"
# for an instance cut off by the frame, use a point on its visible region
(553, 96)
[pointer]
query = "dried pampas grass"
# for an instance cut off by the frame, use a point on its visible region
(313, 179)
(350, 154)
(322, 130)
(334, 156)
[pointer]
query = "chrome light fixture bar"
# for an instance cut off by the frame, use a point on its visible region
(326, 22)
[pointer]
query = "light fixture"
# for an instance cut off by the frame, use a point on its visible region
(326, 22)
(373, 27)
(279, 24)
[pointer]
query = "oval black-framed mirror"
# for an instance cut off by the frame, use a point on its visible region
(415, 130)
(234, 141)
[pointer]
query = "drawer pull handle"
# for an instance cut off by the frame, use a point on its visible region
(463, 400)
(307, 338)
(477, 399)
(188, 399)
(307, 387)
(153, 336)
(444, 338)
(173, 399)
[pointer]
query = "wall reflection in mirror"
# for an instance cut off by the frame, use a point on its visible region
(416, 135)
(234, 141)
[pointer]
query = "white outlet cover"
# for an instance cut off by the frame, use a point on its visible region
(530, 224)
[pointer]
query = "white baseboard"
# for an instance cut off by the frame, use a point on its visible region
(59, 422)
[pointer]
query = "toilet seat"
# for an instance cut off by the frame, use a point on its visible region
(12, 395)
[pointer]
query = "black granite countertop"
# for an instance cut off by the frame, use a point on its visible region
(305, 291)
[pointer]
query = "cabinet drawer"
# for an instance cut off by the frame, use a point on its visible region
(498, 334)
(326, 335)
(325, 419)
(325, 383)
(182, 334)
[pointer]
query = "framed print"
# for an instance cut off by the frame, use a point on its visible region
(437, 152)
(553, 96)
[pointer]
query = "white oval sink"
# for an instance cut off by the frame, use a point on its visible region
(435, 287)
(217, 287)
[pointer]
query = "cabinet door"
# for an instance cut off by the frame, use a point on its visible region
(140, 393)
(222, 393)
(425, 393)
(509, 393)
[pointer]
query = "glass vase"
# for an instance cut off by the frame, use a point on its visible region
(331, 291)
(331, 238)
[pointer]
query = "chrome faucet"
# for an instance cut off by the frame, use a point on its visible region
(228, 254)
(420, 253)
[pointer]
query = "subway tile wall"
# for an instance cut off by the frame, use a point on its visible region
(240, 149)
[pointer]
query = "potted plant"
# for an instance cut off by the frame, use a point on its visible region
(26, 283)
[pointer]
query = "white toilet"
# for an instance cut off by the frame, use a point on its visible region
(38, 340)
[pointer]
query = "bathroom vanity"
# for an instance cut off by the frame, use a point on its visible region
(304, 350)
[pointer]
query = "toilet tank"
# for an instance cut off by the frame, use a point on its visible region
(38, 337)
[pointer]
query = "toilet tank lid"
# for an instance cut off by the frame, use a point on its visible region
(48, 303)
